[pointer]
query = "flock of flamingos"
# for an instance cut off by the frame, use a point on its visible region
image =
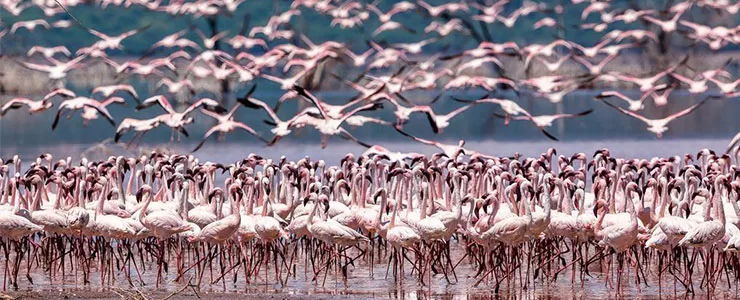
(516, 219)
(667, 218)
(277, 52)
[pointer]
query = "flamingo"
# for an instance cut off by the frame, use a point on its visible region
(225, 123)
(49, 51)
(34, 107)
(109, 90)
(543, 121)
(59, 69)
(440, 122)
(659, 126)
(512, 230)
(509, 107)
(222, 229)
(176, 120)
(113, 42)
(78, 103)
(711, 230)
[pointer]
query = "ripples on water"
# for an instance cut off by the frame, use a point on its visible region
(362, 285)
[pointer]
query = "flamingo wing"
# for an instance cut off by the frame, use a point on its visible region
(629, 113)
(250, 130)
(14, 104)
(688, 110)
(102, 110)
(160, 100)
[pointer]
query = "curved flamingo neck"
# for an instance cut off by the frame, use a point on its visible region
(313, 213)
(101, 200)
(131, 179)
(144, 208)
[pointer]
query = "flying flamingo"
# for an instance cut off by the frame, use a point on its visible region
(509, 107)
(78, 103)
(141, 127)
(33, 106)
(210, 42)
(632, 105)
(543, 121)
(177, 120)
(695, 86)
(385, 17)
(113, 42)
(30, 25)
(59, 69)
(109, 90)
(49, 51)
(89, 114)
(225, 123)
(440, 122)
(452, 151)
(659, 126)
(280, 128)
(648, 83)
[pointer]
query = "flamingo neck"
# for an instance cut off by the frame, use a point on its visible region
(145, 207)
(250, 201)
(313, 212)
(101, 200)
(548, 210)
(383, 203)
(130, 184)
(15, 201)
(664, 202)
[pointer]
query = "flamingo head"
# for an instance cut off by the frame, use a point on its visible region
(145, 189)
(215, 192)
(310, 198)
(600, 206)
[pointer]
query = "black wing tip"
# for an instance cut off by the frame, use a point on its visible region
(300, 90)
(198, 146)
(219, 109)
(610, 104)
(366, 145)
(432, 122)
(274, 141)
(549, 135)
(402, 132)
(436, 98)
(251, 91)
(56, 121)
(586, 112)
(462, 100)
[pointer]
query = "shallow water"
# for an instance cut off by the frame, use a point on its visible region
(362, 284)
